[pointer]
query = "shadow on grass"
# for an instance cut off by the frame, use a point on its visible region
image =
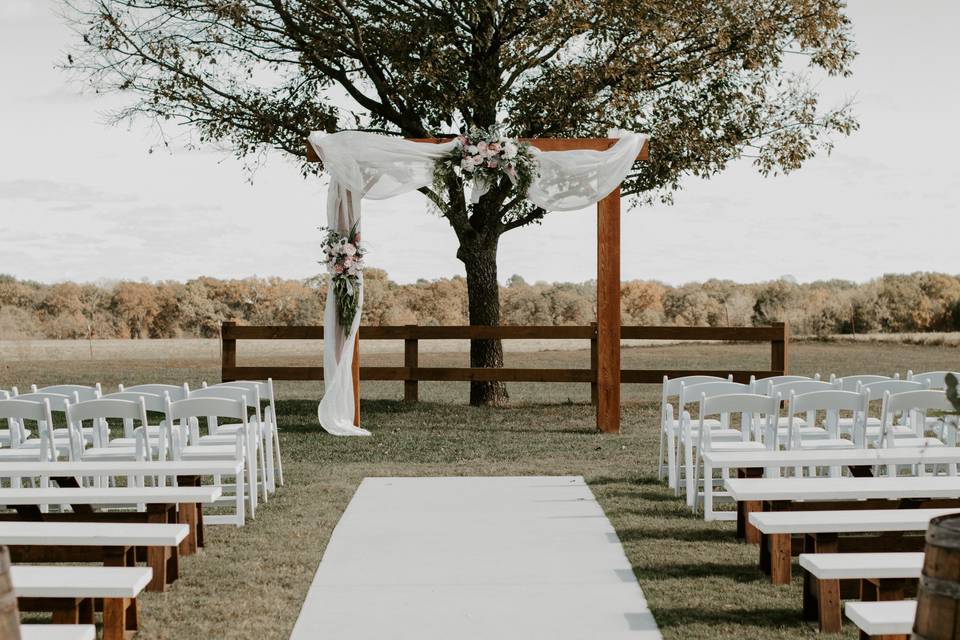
(740, 572)
(768, 618)
(654, 532)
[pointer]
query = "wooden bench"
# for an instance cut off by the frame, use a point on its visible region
(808, 494)
(161, 507)
(859, 461)
(187, 472)
(880, 576)
(69, 592)
(58, 632)
(112, 544)
(883, 620)
(822, 530)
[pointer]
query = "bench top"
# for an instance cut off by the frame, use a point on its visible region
(841, 566)
(61, 581)
(110, 495)
(92, 534)
(852, 521)
(883, 618)
(891, 455)
(58, 632)
(846, 488)
(118, 467)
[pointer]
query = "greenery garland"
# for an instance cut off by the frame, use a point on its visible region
(482, 157)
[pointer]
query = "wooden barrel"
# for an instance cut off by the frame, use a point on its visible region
(9, 615)
(938, 599)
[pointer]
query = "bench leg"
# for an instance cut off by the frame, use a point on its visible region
(120, 616)
(187, 514)
(764, 554)
(173, 564)
(779, 544)
(157, 556)
(67, 615)
(828, 600)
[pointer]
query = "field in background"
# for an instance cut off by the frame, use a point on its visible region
(701, 583)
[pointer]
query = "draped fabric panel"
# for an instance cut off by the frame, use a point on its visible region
(367, 165)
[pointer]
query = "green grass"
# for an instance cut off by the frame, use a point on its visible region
(249, 583)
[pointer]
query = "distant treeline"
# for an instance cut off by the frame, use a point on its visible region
(917, 302)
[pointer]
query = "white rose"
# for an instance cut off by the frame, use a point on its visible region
(509, 150)
(472, 149)
(349, 249)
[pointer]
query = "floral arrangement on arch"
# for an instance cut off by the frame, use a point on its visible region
(481, 157)
(343, 257)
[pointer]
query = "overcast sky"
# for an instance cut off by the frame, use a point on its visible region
(84, 201)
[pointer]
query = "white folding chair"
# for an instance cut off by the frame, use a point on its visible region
(99, 412)
(756, 414)
(831, 402)
(670, 421)
(934, 380)
(59, 438)
(805, 426)
(270, 431)
(914, 405)
(17, 412)
(244, 444)
(870, 433)
(221, 434)
(689, 432)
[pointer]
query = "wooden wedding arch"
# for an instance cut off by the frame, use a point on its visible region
(608, 285)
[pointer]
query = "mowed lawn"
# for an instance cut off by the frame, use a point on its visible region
(700, 582)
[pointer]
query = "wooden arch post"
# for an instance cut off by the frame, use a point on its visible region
(608, 285)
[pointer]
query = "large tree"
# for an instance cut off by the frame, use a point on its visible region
(710, 80)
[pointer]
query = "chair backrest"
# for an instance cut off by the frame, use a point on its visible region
(798, 387)
(58, 401)
(763, 385)
(695, 392)
(80, 392)
(200, 407)
(875, 390)
(826, 400)
(250, 396)
(737, 403)
(924, 400)
(103, 409)
(151, 401)
(672, 386)
(176, 392)
(932, 379)
(852, 383)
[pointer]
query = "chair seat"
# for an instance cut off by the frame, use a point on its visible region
(737, 446)
(916, 442)
(806, 432)
(848, 422)
(829, 443)
(720, 435)
(109, 453)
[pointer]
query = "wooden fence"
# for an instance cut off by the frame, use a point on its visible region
(777, 335)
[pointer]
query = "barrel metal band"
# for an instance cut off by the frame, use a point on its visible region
(943, 537)
(940, 587)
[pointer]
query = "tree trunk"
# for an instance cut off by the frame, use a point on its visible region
(483, 294)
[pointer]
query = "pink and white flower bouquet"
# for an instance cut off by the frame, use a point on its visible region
(482, 157)
(343, 257)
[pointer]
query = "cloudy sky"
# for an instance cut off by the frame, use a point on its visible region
(85, 201)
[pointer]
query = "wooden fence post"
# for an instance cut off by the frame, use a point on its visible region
(608, 313)
(593, 364)
(411, 355)
(780, 349)
(228, 349)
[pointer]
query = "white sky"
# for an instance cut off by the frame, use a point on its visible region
(84, 201)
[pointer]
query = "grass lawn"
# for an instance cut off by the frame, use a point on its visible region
(701, 583)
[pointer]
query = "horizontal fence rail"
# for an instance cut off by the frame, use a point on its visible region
(777, 335)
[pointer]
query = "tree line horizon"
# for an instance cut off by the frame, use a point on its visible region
(893, 303)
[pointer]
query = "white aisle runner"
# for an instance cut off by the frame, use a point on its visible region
(474, 558)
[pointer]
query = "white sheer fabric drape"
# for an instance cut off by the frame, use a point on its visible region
(366, 165)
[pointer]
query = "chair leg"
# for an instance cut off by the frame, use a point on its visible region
(276, 451)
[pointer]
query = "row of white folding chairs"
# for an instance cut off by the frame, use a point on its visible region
(761, 414)
(180, 437)
(671, 417)
(98, 434)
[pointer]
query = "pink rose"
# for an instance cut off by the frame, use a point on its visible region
(482, 148)
(338, 269)
(477, 160)
(492, 164)
(493, 148)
